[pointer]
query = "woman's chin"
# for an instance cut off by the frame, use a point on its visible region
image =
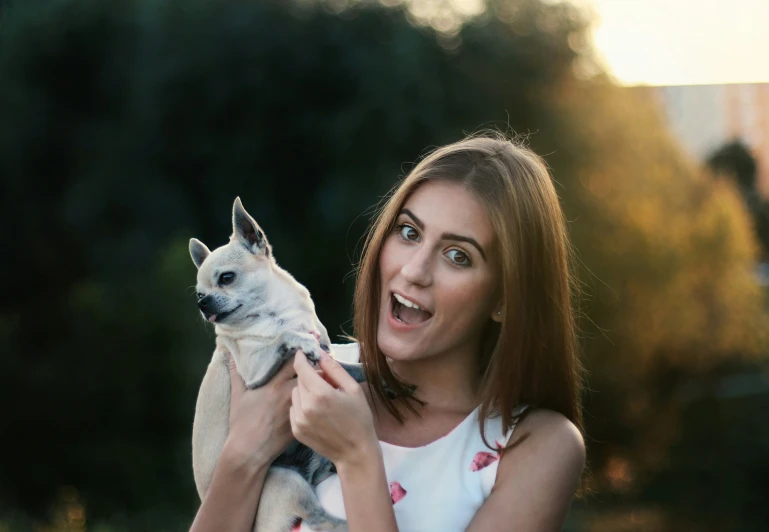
(397, 349)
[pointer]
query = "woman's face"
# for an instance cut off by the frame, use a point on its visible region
(440, 256)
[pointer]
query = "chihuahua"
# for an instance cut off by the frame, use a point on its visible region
(261, 316)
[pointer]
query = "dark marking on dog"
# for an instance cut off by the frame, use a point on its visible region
(272, 314)
(298, 457)
(284, 353)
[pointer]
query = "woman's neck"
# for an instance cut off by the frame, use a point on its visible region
(445, 382)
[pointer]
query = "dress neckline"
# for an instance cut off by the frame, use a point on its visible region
(470, 416)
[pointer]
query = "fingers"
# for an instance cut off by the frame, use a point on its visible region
(336, 375)
(292, 419)
(295, 410)
(287, 386)
(286, 372)
(327, 379)
(308, 378)
(296, 399)
(237, 384)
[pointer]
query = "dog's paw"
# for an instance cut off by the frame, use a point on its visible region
(301, 342)
(312, 356)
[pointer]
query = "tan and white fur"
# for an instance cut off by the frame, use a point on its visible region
(262, 316)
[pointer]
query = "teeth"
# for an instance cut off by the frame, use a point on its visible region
(406, 302)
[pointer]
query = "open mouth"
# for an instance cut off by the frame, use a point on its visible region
(218, 318)
(406, 311)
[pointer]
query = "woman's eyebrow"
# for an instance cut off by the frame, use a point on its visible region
(447, 236)
(469, 240)
(417, 221)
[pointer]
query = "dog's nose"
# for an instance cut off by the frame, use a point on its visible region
(205, 303)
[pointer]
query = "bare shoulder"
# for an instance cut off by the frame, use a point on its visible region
(537, 478)
(549, 427)
(548, 440)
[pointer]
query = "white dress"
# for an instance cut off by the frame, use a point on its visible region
(435, 488)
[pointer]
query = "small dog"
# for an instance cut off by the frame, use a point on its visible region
(262, 316)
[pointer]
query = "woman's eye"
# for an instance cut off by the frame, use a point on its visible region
(226, 278)
(459, 257)
(408, 233)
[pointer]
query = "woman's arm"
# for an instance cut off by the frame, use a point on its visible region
(367, 500)
(232, 497)
(259, 431)
(331, 415)
(536, 480)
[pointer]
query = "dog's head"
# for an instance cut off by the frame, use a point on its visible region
(233, 279)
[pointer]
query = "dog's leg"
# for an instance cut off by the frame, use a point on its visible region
(324, 340)
(286, 496)
(211, 424)
(262, 364)
(325, 469)
(355, 371)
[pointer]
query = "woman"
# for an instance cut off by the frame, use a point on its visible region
(464, 322)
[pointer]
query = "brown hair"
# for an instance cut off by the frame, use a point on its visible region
(531, 357)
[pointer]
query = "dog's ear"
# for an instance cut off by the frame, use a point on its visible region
(198, 252)
(247, 231)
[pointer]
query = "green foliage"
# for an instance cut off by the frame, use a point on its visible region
(129, 126)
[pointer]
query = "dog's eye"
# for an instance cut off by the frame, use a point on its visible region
(226, 278)
(200, 296)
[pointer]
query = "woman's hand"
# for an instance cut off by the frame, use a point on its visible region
(330, 413)
(259, 419)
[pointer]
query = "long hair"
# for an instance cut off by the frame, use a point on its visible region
(531, 357)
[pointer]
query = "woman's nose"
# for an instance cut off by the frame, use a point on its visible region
(417, 270)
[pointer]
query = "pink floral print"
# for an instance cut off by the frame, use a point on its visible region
(484, 459)
(396, 492)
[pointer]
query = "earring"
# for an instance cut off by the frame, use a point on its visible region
(499, 313)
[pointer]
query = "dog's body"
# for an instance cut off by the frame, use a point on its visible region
(262, 316)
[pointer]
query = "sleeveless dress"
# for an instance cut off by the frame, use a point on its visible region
(437, 487)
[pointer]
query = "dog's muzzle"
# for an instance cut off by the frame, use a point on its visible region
(207, 306)
(211, 310)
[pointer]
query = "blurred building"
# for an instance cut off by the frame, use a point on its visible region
(704, 117)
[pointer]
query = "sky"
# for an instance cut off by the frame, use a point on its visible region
(683, 42)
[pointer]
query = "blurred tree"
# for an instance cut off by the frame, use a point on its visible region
(669, 255)
(130, 126)
(734, 160)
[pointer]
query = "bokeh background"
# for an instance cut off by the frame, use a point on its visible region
(129, 126)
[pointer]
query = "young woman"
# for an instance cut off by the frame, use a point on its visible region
(464, 323)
